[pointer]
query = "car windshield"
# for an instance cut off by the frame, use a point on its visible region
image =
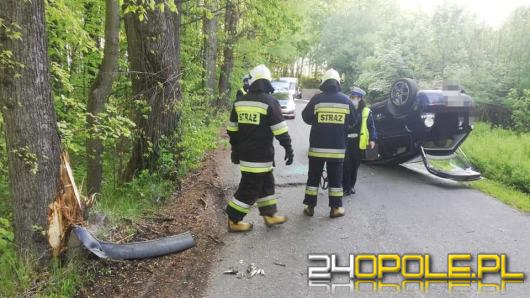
(281, 96)
(280, 85)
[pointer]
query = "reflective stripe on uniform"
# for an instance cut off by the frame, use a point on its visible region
(255, 167)
(279, 128)
(326, 152)
(251, 106)
(353, 135)
(335, 192)
(332, 105)
(332, 108)
(267, 201)
(311, 190)
(239, 206)
(232, 126)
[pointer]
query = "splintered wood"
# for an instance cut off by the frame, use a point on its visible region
(65, 211)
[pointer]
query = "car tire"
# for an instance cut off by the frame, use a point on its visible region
(402, 97)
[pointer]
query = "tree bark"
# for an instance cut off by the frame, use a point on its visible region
(231, 20)
(210, 48)
(33, 145)
(154, 59)
(99, 92)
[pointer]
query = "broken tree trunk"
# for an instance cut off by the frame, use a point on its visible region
(66, 210)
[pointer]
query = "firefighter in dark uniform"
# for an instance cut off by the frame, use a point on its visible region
(243, 90)
(361, 136)
(329, 113)
(255, 119)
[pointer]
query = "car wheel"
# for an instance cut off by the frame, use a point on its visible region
(402, 97)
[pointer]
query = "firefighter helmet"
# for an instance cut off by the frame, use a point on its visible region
(260, 72)
(330, 74)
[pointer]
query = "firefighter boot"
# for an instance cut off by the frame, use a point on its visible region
(309, 210)
(236, 227)
(274, 220)
(336, 212)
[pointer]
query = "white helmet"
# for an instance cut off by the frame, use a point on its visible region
(260, 72)
(330, 74)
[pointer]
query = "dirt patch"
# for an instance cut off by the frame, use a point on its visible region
(198, 208)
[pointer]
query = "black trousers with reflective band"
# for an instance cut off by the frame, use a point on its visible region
(352, 161)
(334, 171)
(254, 187)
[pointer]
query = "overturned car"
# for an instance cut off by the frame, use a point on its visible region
(427, 124)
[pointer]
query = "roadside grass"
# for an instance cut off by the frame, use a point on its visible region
(503, 157)
(21, 277)
(510, 196)
(136, 198)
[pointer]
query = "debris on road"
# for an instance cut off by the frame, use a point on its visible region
(279, 264)
(231, 271)
(253, 270)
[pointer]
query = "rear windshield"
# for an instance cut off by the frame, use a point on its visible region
(280, 85)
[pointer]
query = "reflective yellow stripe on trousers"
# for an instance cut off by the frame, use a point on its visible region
(326, 153)
(255, 167)
(267, 201)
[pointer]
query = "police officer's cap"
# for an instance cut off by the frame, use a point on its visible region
(356, 91)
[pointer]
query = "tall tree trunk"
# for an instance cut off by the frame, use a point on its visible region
(231, 20)
(210, 47)
(99, 92)
(154, 59)
(33, 145)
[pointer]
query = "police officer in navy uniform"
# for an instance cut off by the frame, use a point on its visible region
(243, 90)
(362, 135)
(256, 118)
(329, 113)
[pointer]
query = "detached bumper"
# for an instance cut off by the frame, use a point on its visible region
(136, 250)
(455, 166)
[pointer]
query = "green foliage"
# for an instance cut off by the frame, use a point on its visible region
(4, 187)
(520, 104)
(142, 7)
(500, 155)
(199, 133)
(376, 42)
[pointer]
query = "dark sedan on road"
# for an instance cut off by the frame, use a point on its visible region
(427, 124)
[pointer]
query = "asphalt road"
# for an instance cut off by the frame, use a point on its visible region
(395, 210)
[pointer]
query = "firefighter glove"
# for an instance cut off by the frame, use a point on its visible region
(289, 156)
